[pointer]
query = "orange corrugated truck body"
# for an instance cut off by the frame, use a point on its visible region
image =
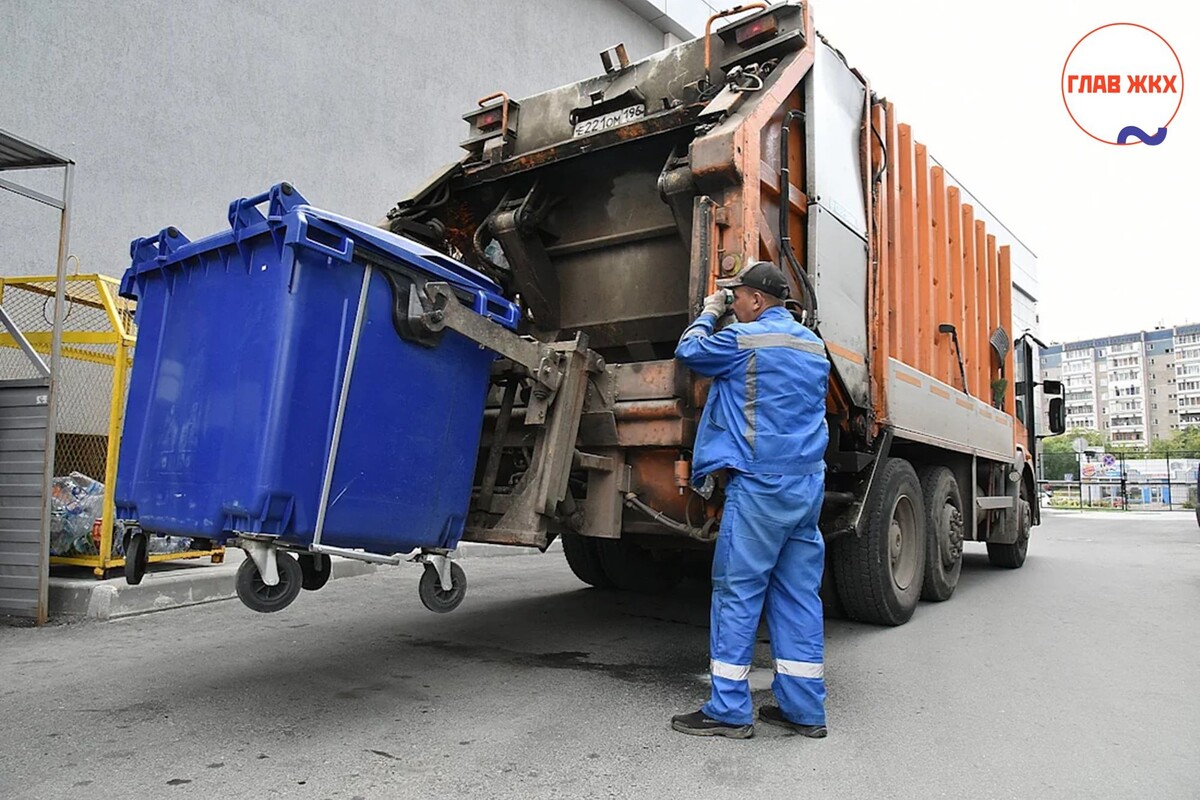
(936, 265)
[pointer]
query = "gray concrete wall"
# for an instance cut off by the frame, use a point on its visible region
(172, 110)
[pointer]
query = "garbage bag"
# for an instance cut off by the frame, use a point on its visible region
(76, 502)
(169, 544)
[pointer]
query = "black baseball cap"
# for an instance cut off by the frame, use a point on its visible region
(761, 275)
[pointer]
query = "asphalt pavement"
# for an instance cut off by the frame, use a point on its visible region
(1075, 676)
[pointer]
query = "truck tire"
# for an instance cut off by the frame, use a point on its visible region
(944, 523)
(831, 602)
(584, 560)
(880, 573)
(634, 568)
(1012, 556)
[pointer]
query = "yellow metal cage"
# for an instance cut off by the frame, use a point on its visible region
(98, 341)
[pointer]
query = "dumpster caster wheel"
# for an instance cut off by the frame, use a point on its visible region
(437, 599)
(257, 596)
(137, 555)
(316, 569)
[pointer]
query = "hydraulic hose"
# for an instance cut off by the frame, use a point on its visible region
(883, 164)
(785, 237)
(702, 533)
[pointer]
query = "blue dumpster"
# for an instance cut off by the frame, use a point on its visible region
(276, 390)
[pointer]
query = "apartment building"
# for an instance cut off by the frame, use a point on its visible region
(1133, 388)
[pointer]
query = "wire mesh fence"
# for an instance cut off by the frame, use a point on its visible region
(97, 341)
(1126, 480)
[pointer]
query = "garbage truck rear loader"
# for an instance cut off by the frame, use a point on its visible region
(609, 207)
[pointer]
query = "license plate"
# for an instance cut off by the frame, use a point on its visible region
(613, 119)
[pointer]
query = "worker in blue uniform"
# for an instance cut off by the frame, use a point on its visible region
(764, 427)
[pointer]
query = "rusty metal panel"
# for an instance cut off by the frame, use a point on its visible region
(655, 433)
(627, 294)
(614, 246)
(646, 380)
(605, 501)
(548, 118)
(653, 475)
(656, 423)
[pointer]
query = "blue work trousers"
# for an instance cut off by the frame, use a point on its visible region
(769, 551)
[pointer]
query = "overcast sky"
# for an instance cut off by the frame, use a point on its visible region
(1116, 229)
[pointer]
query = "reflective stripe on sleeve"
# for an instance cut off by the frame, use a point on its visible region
(755, 340)
(800, 669)
(730, 672)
(692, 333)
(750, 410)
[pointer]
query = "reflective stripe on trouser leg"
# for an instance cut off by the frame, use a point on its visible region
(799, 669)
(730, 672)
(796, 619)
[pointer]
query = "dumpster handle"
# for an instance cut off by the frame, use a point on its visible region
(343, 252)
(487, 306)
(359, 317)
(280, 199)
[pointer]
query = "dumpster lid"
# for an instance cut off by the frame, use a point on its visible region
(288, 214)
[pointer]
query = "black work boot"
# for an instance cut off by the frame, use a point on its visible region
(698, 724)
(773, 715)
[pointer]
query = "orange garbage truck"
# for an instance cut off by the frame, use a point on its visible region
(607, 208)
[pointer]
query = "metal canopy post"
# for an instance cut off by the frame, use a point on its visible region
(19, 154)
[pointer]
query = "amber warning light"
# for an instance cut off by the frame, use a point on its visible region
(489, 119)
(757, 31)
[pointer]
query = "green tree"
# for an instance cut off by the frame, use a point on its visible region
(1065, 442)
(1184, 442)
(1058, 453)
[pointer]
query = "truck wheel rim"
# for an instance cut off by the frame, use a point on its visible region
(951, 535)
(902, 544)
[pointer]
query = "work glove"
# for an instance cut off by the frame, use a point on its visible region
(716, 303)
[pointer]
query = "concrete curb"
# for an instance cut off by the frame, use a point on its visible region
(183, 584)
(471, 550)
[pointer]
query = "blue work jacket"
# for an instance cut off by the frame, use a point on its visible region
(766, 408)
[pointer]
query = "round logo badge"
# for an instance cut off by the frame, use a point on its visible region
(1122, 84)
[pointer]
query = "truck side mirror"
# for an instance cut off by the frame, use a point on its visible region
(1058, 415)
(1052, 387)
